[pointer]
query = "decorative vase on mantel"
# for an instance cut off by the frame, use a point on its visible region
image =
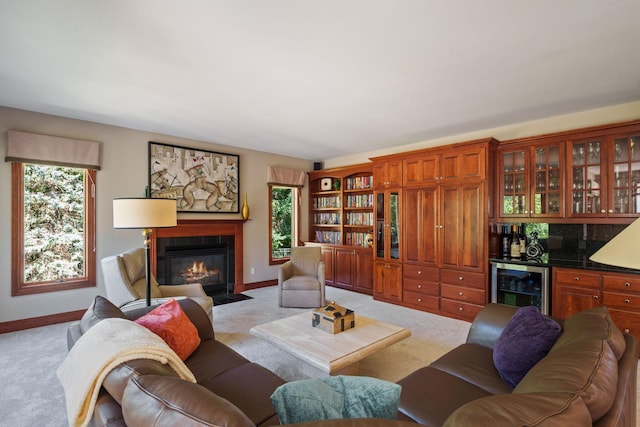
(245, 208)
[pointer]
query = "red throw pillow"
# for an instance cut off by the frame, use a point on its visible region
(172, 325)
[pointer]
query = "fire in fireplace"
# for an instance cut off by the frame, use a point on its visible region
(207, 265)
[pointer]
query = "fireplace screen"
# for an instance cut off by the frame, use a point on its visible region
(205, 265)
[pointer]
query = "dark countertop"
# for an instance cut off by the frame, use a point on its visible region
(583, 263)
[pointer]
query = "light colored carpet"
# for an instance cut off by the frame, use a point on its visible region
(30, 394)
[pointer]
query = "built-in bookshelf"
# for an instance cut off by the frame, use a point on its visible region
(341, 210)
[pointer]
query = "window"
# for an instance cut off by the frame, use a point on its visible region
(285, 221)
(53, 228)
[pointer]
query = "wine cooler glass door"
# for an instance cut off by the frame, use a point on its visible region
(520, 285)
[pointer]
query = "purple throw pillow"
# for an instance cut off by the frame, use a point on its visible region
(526, 339)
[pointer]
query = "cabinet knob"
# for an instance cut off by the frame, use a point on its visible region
(419, 272)
(626, 301)
(460, 309)
(576, 279)
(603, 211)
(627, 284)
(419, 286)
(610, 210)
(419, 299)
(595, 297)
(627, 331)
(461, 293)
(460, 278)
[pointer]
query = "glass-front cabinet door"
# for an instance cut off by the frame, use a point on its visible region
(547, 181)
(513, 183)
(625, 176)
(388, 225)
(605, 177)
(587, 182)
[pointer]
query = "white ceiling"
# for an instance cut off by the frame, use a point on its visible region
(317, 79)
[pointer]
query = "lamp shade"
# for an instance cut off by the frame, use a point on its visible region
(144, 213)
(623, 250)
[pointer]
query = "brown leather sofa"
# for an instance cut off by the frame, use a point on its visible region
(581, 382)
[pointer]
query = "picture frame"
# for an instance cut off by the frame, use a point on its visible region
(199, 180)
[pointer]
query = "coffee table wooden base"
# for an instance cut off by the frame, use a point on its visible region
(327, 353)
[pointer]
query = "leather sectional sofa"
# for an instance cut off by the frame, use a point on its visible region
(589, 377)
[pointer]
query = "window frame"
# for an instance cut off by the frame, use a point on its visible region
(18, 286)
(296, 214)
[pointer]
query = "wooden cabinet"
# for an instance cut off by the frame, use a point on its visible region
(341, 221)
(387, 174)
(388, 281)
(342, 212)
(347, 267)
(531, 180)
(604, 175)
(387, 247)
(575, 290)
(444, 210)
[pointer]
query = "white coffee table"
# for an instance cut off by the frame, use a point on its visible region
(333, 354)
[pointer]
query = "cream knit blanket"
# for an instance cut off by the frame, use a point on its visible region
(104, 346)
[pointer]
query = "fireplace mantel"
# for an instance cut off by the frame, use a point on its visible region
(205, 227)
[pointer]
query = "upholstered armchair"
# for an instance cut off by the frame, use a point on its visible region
(301, 279)
(125, 283)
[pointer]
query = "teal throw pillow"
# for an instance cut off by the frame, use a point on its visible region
(336, 397)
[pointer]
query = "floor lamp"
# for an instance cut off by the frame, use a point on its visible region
(623, 250)
(145, 214)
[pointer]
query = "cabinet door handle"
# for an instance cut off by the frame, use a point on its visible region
(610, 210)
(460, 309)
(419, 299)
(419, 272)
(461, 293)
(461, 278)
(626, 301)
(627, 284)
(576, 279)
(419, 286)
(603, 211)
(595, 297)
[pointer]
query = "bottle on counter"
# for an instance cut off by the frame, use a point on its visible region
(505, 238)
(523, 242)
(515, 243)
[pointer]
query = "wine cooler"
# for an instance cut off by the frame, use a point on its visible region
(520, 285)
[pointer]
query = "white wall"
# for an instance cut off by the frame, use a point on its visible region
(600, 116)
(124, 173)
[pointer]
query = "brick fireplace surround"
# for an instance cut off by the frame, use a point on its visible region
(203, 227)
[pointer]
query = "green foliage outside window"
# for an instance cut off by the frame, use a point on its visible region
(281, 221)
(53, 223)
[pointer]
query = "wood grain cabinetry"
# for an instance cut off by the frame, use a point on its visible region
(341, 221)
(444, 222)
(347, 267)
(575, 290)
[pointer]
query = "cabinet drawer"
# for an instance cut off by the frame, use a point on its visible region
(578, 277)
(614, 299)
(626, 321)
(463, 278)
(459, 309)
(622, 283)
(421, 286)
(419, 272)
(460, 293)
(419, 300)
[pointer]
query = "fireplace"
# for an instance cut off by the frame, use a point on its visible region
(207, 265)
(200, 251)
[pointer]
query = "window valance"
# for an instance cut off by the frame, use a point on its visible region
(283, 176)
(28, 147)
